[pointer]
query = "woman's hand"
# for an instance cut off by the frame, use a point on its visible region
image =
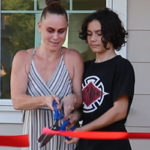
(49, 101)
(73, 118)
(68, 104)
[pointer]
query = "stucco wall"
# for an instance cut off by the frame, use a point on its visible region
(10, 129)
(138, 52)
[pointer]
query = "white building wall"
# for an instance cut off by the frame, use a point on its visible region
(138, 52)
(10, 129)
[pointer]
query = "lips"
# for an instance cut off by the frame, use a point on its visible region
(54, 42)
(94, 46)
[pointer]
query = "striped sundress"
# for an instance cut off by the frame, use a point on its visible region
(34, 120)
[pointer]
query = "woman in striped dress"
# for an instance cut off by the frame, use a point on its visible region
(44, 74)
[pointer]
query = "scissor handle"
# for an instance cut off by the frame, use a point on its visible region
(57, 115)
(64, 125)
(63, 128)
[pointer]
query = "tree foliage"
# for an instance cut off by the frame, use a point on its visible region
(17, 4)
(18, 30)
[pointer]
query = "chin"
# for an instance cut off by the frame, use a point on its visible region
(54, 46)
(95, 50)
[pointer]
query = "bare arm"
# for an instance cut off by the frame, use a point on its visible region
(77, 81)
(18, 84)
(114, 114)
(74, 100)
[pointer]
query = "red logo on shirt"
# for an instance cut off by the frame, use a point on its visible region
(93, 93)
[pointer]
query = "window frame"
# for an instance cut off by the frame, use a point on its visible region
(7, 113)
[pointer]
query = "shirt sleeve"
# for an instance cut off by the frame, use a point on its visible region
(124, 80)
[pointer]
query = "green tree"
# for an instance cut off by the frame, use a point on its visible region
(18, 30)
(17, 4)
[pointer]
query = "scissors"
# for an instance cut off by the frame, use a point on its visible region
(44, 138)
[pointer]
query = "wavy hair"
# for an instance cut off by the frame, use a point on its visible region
(111, 28)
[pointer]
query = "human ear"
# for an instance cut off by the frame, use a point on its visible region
(39, 26)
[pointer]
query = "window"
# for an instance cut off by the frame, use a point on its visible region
(88, 5)
(19, 30)
(17, 33)
(17, 5)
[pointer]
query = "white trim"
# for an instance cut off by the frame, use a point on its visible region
(8, 114)
(109, 3)
(120, 7)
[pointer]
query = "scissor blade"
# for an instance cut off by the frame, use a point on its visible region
(41, 137)
(44, 138)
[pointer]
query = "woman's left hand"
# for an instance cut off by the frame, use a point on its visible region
(73, 118)
(68, 104)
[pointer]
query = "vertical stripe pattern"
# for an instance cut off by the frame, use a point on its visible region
(34, 120)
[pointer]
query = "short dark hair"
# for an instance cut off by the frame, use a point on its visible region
(111, 28)
(53, 7)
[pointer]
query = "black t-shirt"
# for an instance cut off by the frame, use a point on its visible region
(102, 84)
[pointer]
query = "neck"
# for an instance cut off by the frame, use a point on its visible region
(105, 56)
(47, 53)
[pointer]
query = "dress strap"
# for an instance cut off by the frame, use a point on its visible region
(61, 53)
(33, 52)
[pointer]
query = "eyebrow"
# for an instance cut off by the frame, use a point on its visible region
(58, 29)
(94, 31)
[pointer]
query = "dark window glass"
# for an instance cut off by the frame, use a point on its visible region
(17, 4)
(75, 21)
(88, 4)
(64, 3)
(16, 35)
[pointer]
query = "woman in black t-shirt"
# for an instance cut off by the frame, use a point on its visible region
(108, 81)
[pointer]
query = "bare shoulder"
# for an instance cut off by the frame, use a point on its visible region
(72, 54)
(23, 55)
(22, 58)
(74, 62)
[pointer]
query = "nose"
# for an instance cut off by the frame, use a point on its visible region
(94, 37)
(55, 35)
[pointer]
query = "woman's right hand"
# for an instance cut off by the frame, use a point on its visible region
(49, 101)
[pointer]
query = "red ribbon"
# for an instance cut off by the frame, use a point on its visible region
(101, 135)
(14, 141)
